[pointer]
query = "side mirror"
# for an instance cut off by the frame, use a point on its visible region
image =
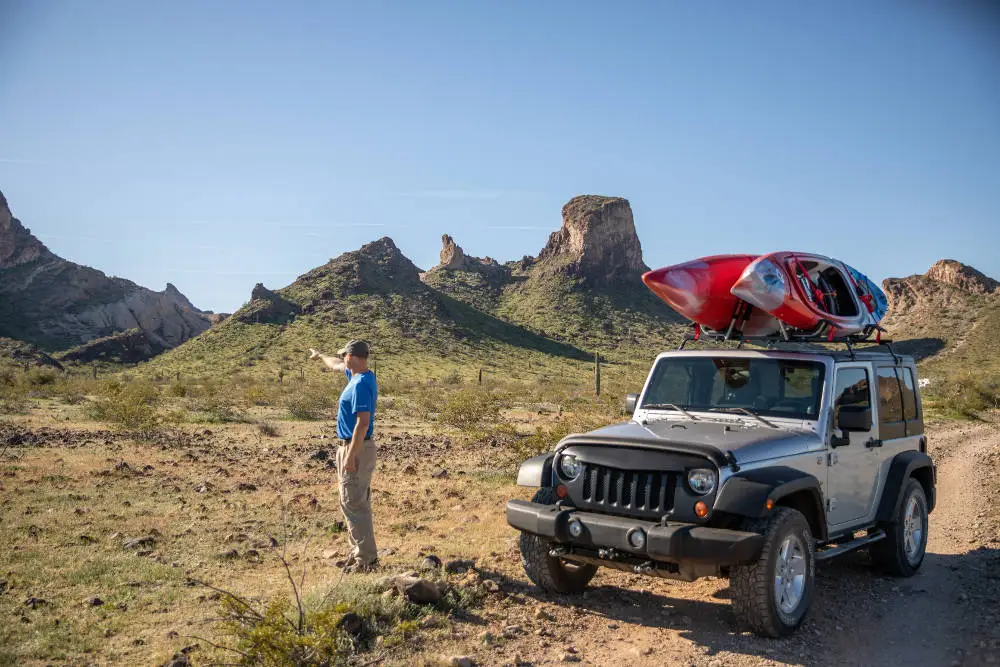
(854, 418)
(631, 400)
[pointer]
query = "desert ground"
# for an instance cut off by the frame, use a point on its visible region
(131, 551)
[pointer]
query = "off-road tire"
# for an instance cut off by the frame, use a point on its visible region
(889, 553)
(551, 574)
(752, 586)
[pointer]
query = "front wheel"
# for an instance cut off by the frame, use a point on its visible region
(902, 550)
(772, 595)
(553, 575)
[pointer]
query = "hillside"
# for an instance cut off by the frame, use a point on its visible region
(373, 293)
(56, 304)
(948, 317)
(583, 287)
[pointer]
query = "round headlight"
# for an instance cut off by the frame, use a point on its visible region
(569, 466)
(701, 480)
(575, 528)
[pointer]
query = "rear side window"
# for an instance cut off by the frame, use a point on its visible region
(909, 397)
(890, 400)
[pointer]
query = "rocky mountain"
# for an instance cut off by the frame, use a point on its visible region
(374, 293)
(584, 286)
(947, 315)
(57, 304)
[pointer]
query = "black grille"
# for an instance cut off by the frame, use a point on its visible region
(636, 491)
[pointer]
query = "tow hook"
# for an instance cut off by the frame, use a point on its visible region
(644, 568)
(608, 554)
(556, 552)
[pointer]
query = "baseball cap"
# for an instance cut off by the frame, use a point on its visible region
(358, 348)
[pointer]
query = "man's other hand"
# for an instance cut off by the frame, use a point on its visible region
(351, 462)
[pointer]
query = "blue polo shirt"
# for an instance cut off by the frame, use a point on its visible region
(359, 395)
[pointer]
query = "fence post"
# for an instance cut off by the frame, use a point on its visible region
(480, 376)
(597, 374)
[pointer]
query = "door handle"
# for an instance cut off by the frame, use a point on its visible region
(873, 442)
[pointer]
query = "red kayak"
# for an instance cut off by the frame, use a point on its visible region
(805, 291)
(700, 291)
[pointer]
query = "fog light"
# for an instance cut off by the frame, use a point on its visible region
(700, 509)
(637, 538)
(575, 528)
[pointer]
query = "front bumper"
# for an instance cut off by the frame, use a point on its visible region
(673, 543)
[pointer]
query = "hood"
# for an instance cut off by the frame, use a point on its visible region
(747, 443)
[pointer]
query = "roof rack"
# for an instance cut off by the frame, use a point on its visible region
(784, 339)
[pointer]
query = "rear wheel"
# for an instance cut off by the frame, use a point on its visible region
(902, 551)
(548, 573)
(772, 595)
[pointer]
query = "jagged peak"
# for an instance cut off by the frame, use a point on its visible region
(17, 244)
(454, 258)
(597, 240)
(962, 276)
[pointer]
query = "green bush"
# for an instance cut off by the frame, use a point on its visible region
(279, 635)
(473, 410)
(308, 402)
(131, 406)
(964, 397)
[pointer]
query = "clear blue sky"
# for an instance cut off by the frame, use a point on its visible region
(217, 144)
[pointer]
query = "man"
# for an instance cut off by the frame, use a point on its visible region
(356, 453)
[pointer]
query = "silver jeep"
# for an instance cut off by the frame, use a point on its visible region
(740, 463)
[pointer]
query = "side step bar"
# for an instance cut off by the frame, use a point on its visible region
(850, 546)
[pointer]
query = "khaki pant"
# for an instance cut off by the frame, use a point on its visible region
(355, 500)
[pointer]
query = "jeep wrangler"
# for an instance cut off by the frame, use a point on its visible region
(747, 464)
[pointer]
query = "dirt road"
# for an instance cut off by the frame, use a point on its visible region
(948, 614)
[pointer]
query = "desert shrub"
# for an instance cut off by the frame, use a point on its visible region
(259, 394)
(964, 397)
(267, 429)
(277, 634)
(215, 409)
(472, 410)
(308, 402)
(177, 389)
(129, 406)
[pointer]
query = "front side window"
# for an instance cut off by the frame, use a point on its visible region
(852, 388)
(769, 387)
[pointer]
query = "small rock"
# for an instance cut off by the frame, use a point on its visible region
(491, 586)
(430, 563)
(320, 455)
(569, 657)
(459, 565)
(439, 473)
(141, 542)
(229, 555)
(428, 622)
(419, 591)
(34, 602)
(179, 659)
(253, 556)
(512, 631)
(387, 551)
(542, 615)
(351, 623)
(93, 601)
(460, 661)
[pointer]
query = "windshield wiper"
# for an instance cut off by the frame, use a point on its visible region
(660, 406)
(745, 412)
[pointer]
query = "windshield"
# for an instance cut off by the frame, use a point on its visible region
(769, 387)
